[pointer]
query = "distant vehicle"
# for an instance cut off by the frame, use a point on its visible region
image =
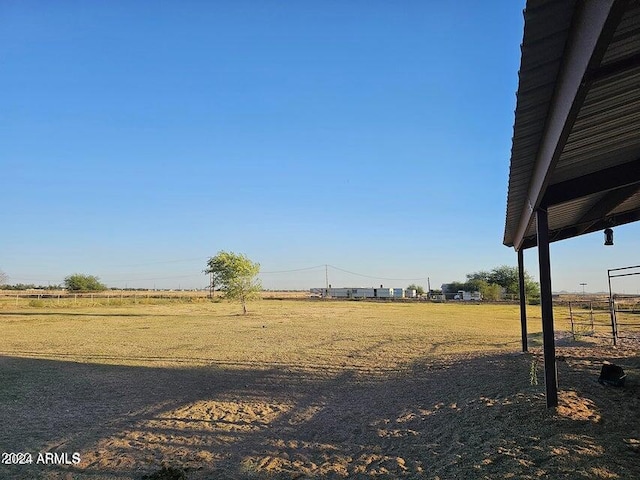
(467, 296)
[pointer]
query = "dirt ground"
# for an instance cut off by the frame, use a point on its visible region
(458, 417)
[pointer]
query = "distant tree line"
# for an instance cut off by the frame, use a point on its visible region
(132, 289)
(30, 286)
(491, 284)
(77, 282)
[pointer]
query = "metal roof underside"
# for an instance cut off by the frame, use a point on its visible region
(576, 139)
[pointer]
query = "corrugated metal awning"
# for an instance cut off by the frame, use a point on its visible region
(576, 139)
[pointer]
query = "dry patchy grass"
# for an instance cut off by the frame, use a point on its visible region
(311, 334)
(305, 389)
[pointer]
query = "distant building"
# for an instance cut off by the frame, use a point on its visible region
(360, 292)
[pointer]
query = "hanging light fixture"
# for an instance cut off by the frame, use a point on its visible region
(608, 236)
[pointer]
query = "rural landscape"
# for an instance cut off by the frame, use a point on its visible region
(300, 388)
(268, 240)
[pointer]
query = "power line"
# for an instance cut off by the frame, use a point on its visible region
(378, 278)
(345, 271)
(193, 275)
(296, 270)
(162, 262)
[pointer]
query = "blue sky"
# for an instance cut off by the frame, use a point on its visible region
(140, 138)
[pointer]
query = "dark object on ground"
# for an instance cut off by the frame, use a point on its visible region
(612, 375)
(167, 473)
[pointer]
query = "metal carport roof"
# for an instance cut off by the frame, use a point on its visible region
(575, 159)
(576, 139)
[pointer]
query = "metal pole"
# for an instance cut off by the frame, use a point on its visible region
(523, 300)
(614, 321)
(546, 302)
(612, 311)
(573, 332)
(326, 276)
(326, 279)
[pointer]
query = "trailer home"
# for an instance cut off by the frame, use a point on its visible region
(353, 292)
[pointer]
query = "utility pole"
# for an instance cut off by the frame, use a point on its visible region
(326, 278)
(428, 286)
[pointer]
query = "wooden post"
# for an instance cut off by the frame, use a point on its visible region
(523, 300)
(546, 303)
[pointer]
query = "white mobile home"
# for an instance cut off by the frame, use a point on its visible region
(353, 292)
(383, 292)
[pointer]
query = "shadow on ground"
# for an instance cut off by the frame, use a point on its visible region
(456, 417)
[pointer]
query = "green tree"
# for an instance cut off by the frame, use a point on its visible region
(83, 283)
(490, 291)
(235, 275)
(419, 290)
(507, 278)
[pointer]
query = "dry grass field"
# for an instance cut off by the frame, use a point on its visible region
(305, 389)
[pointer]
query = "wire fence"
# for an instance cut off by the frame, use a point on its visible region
(63, 298)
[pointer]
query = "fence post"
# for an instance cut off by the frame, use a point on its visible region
(573, 333)
(614, 329)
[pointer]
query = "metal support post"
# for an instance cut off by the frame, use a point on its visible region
(546, 302)
(523, 300)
